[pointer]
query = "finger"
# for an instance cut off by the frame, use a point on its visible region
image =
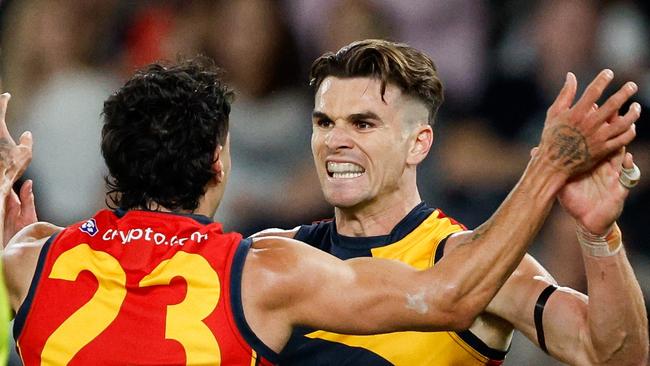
(4, 101)
(621, 140)
(622, 123)
(616, 159)
(565, 98)
(27, 209)
(13, 206)
(26, 139)
(593, 92)
(628, 161)
(616, 101)
(533, 151)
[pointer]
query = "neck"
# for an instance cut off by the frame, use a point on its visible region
(375, 218)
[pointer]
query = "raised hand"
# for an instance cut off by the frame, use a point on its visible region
(576, 137)
(14, 159)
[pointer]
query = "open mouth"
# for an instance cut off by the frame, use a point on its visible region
(344, 170)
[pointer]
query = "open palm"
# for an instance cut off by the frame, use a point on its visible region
(595, 199)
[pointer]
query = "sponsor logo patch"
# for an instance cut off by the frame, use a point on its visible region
(89, 227)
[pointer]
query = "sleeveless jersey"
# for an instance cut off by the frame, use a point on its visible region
(418, 240)
(139, 288)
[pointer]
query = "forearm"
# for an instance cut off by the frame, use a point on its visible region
(480, 265)
(617, 320)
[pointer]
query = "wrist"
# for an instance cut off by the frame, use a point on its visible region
(600, 245)
(546, 179)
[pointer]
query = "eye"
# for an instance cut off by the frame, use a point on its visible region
(363, 125)
(323, 123)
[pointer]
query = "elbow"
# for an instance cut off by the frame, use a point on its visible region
(630, 351)
(461, 308)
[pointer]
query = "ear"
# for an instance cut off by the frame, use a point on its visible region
(217, 165)
(421, 141)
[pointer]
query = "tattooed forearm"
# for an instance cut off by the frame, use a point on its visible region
(480, 231)
(569, 147)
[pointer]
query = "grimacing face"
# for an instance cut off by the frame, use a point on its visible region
(363, 145)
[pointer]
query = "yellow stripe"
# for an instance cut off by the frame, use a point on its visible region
(254, 357)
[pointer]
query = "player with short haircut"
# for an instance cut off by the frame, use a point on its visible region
(155, 281)
(375, 104)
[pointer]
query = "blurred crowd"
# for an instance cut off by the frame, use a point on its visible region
(502, 62)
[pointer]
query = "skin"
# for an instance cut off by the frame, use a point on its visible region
(391, 295)
(598, 329)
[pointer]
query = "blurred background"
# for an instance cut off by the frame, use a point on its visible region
(502, 62)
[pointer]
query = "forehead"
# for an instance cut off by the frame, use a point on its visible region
(342, 96)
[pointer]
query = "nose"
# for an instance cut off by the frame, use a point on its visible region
(338, 138)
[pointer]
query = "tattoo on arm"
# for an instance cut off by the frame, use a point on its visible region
(569, 147)
(480, 231)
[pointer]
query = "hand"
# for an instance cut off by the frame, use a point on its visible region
(595, 199)
(14, 159)
(576, 138)
(20, 211)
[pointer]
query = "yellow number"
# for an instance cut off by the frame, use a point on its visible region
(184, 321)
(94, 316)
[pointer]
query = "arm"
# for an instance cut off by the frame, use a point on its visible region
(615, 329)
(20, 257)
(277, 232)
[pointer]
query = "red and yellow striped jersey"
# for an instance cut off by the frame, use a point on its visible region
(139, 288)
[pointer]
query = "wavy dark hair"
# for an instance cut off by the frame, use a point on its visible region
(160, 133)
(397, 63)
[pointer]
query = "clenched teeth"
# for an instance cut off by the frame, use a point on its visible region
(344, 170)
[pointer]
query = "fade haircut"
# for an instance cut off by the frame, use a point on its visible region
(160, 133)
(396, 63)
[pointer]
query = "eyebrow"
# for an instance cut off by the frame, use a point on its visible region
(351, 117)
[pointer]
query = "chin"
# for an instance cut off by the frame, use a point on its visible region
(343, 200)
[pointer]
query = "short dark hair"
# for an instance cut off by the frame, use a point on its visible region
(160, 133)
(397, 63)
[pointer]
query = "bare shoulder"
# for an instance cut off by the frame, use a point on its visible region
(281, 264)
(21, 256)
(34, 232)
(279, 275)
(291, 233)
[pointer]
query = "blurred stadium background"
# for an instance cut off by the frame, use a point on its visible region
(501, 62)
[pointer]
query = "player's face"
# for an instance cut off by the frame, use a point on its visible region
(359, 142)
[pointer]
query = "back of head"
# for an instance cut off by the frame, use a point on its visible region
(396, 63)
(161, 130)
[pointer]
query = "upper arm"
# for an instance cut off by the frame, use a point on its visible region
(297, 285)
(277, 232)
(564, 322)
(20, 258)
